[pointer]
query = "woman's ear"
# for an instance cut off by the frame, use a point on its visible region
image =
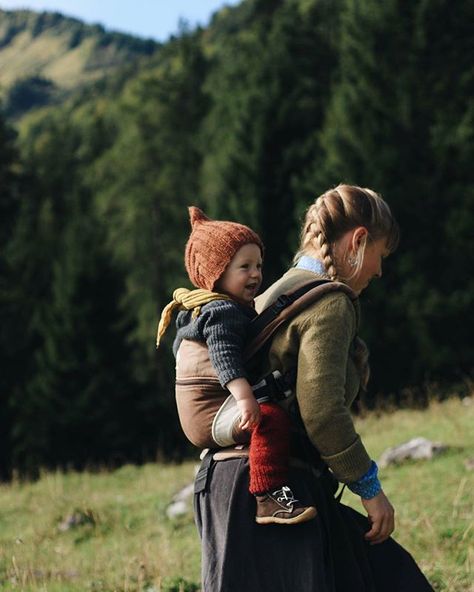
(359, 235)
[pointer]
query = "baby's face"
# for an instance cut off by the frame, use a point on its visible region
(243, 276)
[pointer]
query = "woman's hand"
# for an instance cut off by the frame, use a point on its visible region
(250, 413)
(381, 517)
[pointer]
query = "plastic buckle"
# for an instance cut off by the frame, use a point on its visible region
(273, 386)
(282, 387)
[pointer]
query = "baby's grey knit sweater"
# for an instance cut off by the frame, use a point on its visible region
(223, 326)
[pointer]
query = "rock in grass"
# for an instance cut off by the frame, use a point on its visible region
(77, 518)
(416, 449)
(469, 464)
(181, 503)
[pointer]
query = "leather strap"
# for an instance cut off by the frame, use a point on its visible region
(242, 451)
(201, 482)
(286, 307)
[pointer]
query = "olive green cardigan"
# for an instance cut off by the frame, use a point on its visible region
(318, 341)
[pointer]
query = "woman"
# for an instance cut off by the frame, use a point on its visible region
(347, 233)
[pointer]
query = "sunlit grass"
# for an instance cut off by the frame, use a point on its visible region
(126, 542)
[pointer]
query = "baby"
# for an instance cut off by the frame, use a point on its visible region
(226, 258)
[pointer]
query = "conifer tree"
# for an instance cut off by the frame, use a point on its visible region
(397, 73)
(10, 319)
(272, 107)
(76, 392)
(251, 119)
(144, 185)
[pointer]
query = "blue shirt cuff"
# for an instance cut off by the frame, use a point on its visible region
(368, 486)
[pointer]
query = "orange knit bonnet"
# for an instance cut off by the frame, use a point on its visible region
(211, 246)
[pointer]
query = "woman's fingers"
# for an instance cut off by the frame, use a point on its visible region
(373, 532)
(385, 532)
(379, 532)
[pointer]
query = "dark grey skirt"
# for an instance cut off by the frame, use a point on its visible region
(327, 554)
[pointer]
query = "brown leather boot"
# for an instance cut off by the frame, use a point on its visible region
(281, 507)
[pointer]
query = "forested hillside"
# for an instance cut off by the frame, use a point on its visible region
(251, 119)
(44, 56)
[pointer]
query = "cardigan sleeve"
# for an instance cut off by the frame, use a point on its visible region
(324, 342)
(224, 328)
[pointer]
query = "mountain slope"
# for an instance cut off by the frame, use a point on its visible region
(46, 55)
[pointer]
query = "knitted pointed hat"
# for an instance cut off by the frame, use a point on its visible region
(211, 246)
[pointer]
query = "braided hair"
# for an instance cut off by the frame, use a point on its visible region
(339, 210)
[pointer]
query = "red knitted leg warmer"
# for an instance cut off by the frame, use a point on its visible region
(269, 450)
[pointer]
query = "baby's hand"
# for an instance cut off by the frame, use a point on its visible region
(246, 402)
(250, 413)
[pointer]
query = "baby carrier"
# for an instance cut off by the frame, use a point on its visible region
(208, 413)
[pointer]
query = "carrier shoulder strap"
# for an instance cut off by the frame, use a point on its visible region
(287, 306)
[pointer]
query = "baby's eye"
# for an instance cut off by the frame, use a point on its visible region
(259, 266)
(244, 266)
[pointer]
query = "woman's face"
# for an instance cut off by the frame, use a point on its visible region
(371, 267)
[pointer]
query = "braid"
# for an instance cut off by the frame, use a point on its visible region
(318, 237)
(318, 225)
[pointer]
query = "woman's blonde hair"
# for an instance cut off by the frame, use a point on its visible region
(339, 210)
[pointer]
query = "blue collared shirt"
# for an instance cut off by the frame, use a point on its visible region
(311, 264)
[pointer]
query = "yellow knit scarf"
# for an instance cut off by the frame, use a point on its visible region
(184, 299)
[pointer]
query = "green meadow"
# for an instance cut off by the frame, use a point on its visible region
(123, 541)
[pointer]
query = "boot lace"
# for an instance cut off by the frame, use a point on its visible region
(285, 496)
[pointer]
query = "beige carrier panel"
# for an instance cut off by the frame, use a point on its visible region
(208, 414)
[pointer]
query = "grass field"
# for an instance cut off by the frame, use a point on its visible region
(124, 541)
